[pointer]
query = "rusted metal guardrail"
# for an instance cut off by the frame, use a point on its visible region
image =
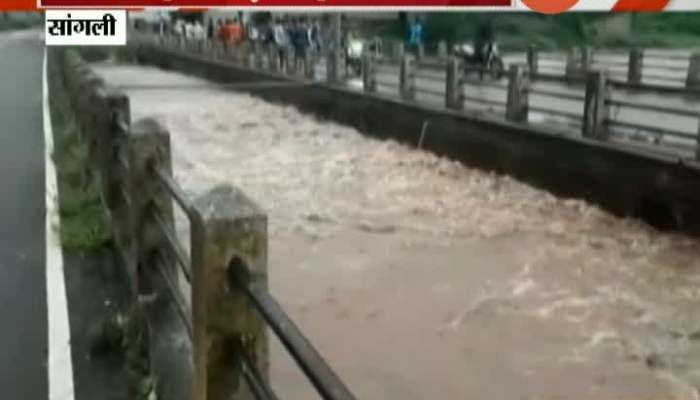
(207, 305)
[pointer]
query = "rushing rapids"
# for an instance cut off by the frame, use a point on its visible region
(420, 278)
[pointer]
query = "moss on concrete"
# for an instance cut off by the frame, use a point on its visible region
(83, 219)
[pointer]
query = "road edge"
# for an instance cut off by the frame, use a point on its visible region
(59, 363)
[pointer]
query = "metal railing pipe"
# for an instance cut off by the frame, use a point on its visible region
(325, 381)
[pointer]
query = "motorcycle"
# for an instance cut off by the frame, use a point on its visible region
(488, 60)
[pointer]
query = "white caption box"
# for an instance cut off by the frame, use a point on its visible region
(85, 27)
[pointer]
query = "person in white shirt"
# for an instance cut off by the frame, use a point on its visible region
(198, 32)
(189, 31)
(279, 33)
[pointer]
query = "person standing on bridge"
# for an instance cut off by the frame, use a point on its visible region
(315, 35)
(484, 38)
(198, 33)
(279, 34)
(415, 36)
(210, 31)
(236, 32)
(226, 34)
(300, 41)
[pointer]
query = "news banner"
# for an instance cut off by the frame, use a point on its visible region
(543, 6)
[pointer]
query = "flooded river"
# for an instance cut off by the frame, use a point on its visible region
(420, 278)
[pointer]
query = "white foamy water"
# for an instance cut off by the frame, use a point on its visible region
(420, 278)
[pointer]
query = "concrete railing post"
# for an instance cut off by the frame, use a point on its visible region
(104, 138)
(570, 70)
(596, 110)
(398, 51)
(219, 49)
(240, 55)
(309, 65)
(533, 59)
(586, 60)
(251, 58)
(636, 65)
(369, 75)
(169, 350)
(214, 43)
(693, 78)
(578, 64)
(232, 232)
(453, 85)
(518, 100)
(442, 50)
(272, 57)
(697, 146)
(209, 48)
(232, 52)
(259, 60)
(246, 56)
(421, 51)
(333, 67)
(407, 80)
(226, 50)
(291, 61)
(149, 144)
(112, 146)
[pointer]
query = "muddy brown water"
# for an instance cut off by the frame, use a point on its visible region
(420, 278)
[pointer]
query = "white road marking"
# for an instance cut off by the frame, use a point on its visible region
(60, 363)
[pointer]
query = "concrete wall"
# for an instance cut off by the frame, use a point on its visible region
(660, 190)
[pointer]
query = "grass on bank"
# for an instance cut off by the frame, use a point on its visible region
(83, 218)
(84, 227)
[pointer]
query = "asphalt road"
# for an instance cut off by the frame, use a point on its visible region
(23, 340)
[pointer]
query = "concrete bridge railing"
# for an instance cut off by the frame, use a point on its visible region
(597, 96)
(207, 310)
(633, 66)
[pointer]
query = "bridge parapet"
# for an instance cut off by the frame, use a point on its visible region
(693, 80)
(206, 311)
(517, 105)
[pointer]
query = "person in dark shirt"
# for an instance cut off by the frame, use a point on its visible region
(484, 38)
(300, 41)
(210, 30)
